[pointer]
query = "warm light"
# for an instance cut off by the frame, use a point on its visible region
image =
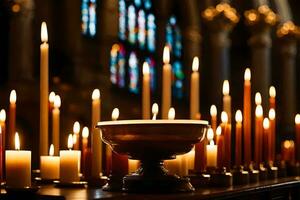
(219, 131)
(266, 123)
(272, 92)
(213, 110)
(297, 119)
(195, 65)
(146, 69)
(13, 96)
(224, 117)
(57, 101)
(210, 134)
(85, 132)
(154, 110)
(2, 115)
(211, 142)
(171, 113)
(166, 54)
(238, 116)
(288, 144)
(76, 127)
(17, 141)
(115, 114)
(226, 87)
(252, 16)
(51, 150)
(259, 111)
(44, 33)
(74, 139)
(52, 97)
(272, 114)
(257, 98)
(96, 94)
(247, 74)
(70, 141)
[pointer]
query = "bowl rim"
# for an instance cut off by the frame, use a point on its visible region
(146, 122)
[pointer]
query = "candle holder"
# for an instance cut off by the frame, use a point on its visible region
(240, 176)
(151, 142)
(272, 171)
(253, 174)
(75, 184)
(263, 172)
(221, 178)
(199, 179)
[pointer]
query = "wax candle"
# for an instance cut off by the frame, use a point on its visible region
(44, 90)
(258, 134)
(272, 134)
(220, 145)
(146, 98)
(96, 137)
(2, 142)
(18, 166)
(297, 125)
(213, 114)
(212, 152)
(69, 163)
(266, 147)
(194, 92)
(50, 165)
(133, 165)
(76, 130)
(12, 115)
(154, 111)
(227, 99)
(247, 116)
(238, 138)
(226, 129)
(86, 159)
(166, 85)
(272, 99)
(51, 100)
(56, 124)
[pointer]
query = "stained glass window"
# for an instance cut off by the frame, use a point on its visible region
(117, 65)
(142, 28)
(131, 24)
(151, 63)
(151, 32)
(88, 17)
(133, 73)
(122, 19)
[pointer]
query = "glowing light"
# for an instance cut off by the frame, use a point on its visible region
(44, 32)
(171, 113)
(224, 117)
(85, 132)
(115, 114)
(146, 69)
(272, 92)
(2, 115)
(13, 96)
(266, 123)
(213, 110)
(226, 87)
(210, 134)
(219, 131)
(51, 150)
(57, 101)
(51, 97)
(238, 116)
(272, 114)
(166, 55)
(195, 65)
(259, 111)
(96, 94)
(154, 110)
(257, 98)
(17, 141)
(70, 141)
(76, 127)
(297, 119)
(247, 74)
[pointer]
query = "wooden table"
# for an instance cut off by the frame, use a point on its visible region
(284, 188)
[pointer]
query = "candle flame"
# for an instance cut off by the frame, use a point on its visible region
(2, 115)
(51, 150)
(146, 69)
(171, 113)
(224, 117)
(57, 101)
(272, 92)
(115, 114)
(211, 143)
(219, 131)
(70, 141)
(238, 116)
(44, 32)
(76, 127)
(85, 132)
(247, 74)
(213, 110)
(272, 114)
(288, 144)
(96, 94)
(210, 134)
(52, 97)
(154, 110)
(266, 123)
(74, 139)
(257, 98)
(13, 96)
(166, 54)
(195, 65)
(226, 87)
(17, 141)
(297, 119)
(259, 111)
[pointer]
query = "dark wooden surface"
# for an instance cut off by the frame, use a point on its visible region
(284, 188)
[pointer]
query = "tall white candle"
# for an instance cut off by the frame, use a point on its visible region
(44, 76)
(227, 100)
(146, 91)
(50, 165)
(212, 152)
(167, 83)
(194, 92)
(12, 116)
(56, 124)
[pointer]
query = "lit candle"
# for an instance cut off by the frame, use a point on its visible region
(288, 150)
(86, 153)
(258, 98)
(238, 137)
(76, 130)
(226, 129)
(69, 163)
(166, 79)
(1, 156)
(133, 165)
(18, 166)
(247, 116)
(50, 165)
(194, 92)
(212, 152)
(266, 146)
(12, 115)
(297, 123)
(227, 99)
(220, 145)
(146, 91)
(154, 111)
(56, 123)
(272, 134)
(258, 134)
(213, 114)
(51, 100)
(44, 76)
(171, 114)
(272, 99)
(2, 142)
(96, 137)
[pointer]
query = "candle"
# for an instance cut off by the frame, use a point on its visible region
(272, 99)
(247, 116)
(213, 114)
(272, 134)
(2, 142)
(50, 165)
(238, 138)
(96, 137)
(76, 130)
(51, 100)
(133, 165)
(220, 145)
(226, 129)
(154, 111)
(1, 155)
(56, 123)
(266, 147)
(288, 150)
(166, 85)
(86, 160)
(297, 124)
(171, 114)
(12, 115)
(69, 163)
(44, 76)
(18, 166)
(227, 99)
(190, 159)
(212, 152)
(258, 134)
(146, 91)
(194, 92)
